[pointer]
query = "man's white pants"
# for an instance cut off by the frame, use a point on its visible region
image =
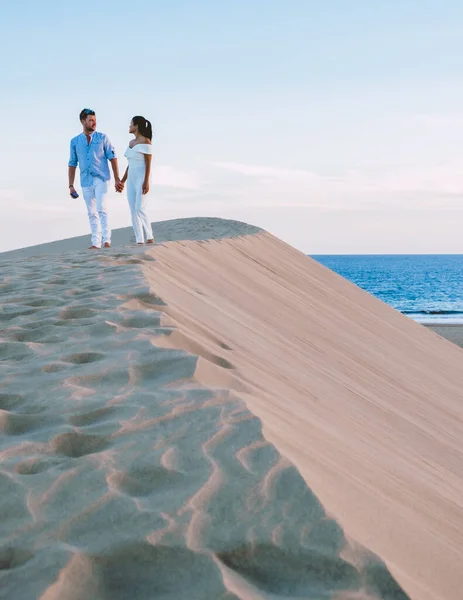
(137, 204)
(95, 199)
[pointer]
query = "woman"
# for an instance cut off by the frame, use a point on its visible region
(137, 175)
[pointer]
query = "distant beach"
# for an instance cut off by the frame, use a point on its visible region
(453, 333)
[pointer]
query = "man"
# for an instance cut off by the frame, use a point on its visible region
(92, 150)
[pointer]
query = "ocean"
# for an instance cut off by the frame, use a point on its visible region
(426, 288)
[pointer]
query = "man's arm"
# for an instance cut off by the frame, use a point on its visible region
(72, 165)
(110, 154)
(71, 176)
(118, 182)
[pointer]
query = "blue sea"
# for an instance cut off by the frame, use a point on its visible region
(426, 288)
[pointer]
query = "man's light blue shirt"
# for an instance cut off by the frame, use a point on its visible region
(92, 158)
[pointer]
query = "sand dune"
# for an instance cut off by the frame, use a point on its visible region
(196, 228)
(221, 420)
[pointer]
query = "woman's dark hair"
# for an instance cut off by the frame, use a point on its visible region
(144, 126)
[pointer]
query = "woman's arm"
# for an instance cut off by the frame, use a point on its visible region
(126, 174)
(146, 184)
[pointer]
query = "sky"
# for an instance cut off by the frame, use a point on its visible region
(336, 125)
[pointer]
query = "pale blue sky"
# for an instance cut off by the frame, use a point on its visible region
(337, 125)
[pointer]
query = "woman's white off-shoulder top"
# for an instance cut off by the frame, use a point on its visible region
(135, 156)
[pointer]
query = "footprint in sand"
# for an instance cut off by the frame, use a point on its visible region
(14, 424)
(35, 465)
(15, 351)
(83, 358)
(93, 417)
(10, 401)
(12, 558)
(76, 445)
(77, 312)
(142, 481)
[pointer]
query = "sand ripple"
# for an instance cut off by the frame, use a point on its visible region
(124, 476)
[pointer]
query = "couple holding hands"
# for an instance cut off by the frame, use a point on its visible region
(92, 151)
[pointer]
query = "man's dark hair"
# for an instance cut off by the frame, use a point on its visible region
(85, 112)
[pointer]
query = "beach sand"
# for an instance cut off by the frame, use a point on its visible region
(221, 419)
(453, 333)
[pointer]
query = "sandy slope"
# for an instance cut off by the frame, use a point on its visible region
(367, 404)
(124, 476)
(132, 461)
